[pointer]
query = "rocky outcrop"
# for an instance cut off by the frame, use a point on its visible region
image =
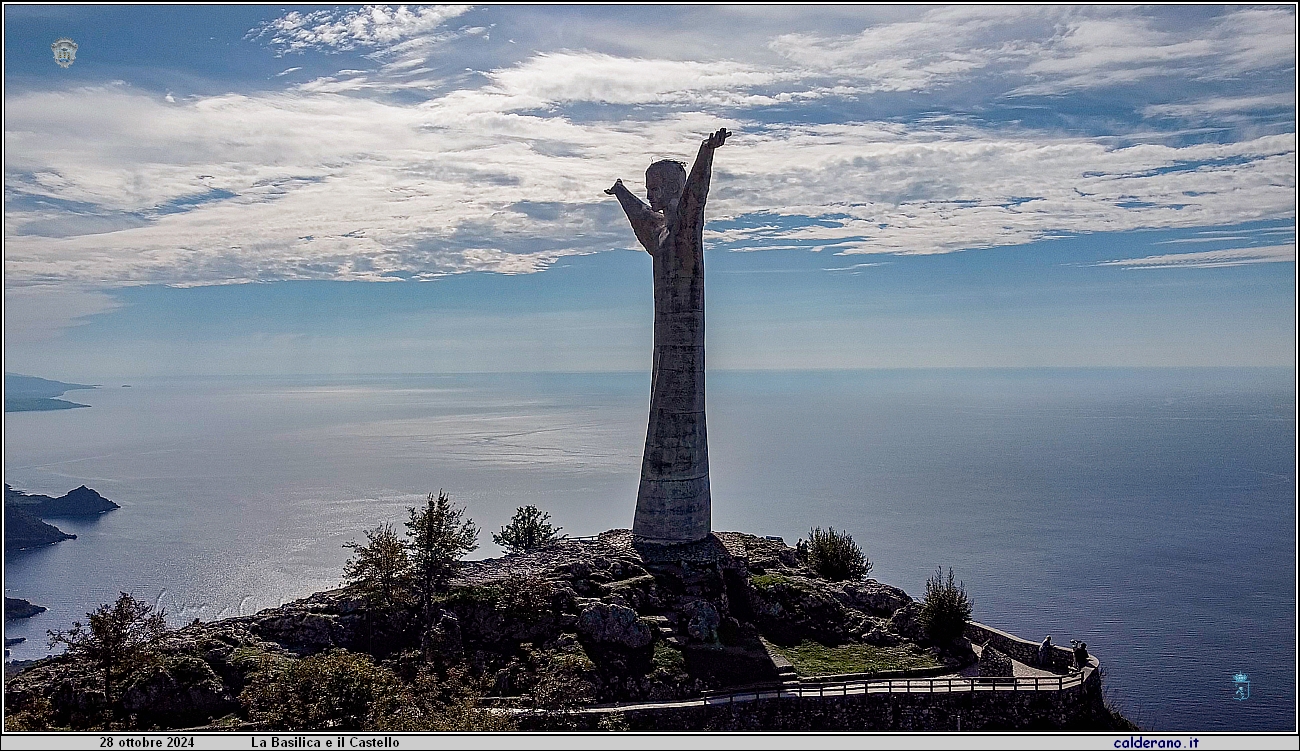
(614, 624)
(702, 620)
(870, 596)
(589, 621)
(181, 690)
(792, 607)
(80, 501)
(906, 622)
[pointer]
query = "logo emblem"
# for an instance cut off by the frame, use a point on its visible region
(1242, 683)
(65, 51)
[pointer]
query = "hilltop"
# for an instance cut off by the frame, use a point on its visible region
(579, 623)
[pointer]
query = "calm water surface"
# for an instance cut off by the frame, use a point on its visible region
(1150, 513)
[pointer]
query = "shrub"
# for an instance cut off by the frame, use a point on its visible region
(333, 690)
(767, 581)
(381, 568)
(833, 555)
(529, 529)
(36, 714)
(669, 660)
(616, 721)
(946, 609)
(563, 683)
(445, 701)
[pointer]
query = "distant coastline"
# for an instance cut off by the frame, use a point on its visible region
(31, 394)
(39, 405)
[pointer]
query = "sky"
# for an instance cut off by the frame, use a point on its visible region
(401, 189)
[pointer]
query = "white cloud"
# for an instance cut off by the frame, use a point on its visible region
(368, 27)
(943, 45)
(1209, 259)
(1090, 53)
(592, 77)
(1050, 49)
(310, 185)
(1221, 105)
(399, 172)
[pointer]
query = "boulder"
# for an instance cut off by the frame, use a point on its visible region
(958, 653)
(614, 625)
(702, 620)
(870, 596)
(878, 637)
(309, 632)
(906, 622)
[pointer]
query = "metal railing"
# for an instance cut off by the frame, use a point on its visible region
(945, 685)
(793, 690)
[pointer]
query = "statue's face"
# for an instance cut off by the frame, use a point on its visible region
(664, 186)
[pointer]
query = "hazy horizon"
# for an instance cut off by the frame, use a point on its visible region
(1149, 513)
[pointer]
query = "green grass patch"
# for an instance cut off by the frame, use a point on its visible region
(765, 581)
(668, 659)
(810, 658)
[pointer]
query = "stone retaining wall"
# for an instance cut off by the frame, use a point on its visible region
(1060, 659)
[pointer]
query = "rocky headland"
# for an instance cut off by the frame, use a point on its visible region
(24, 514)
(22, 530)
(16, 608)
(80, 501)
(577, 624)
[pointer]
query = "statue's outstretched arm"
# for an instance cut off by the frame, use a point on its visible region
(697, 183)
(645, 221)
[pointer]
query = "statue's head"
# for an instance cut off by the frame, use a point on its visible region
(664, 182)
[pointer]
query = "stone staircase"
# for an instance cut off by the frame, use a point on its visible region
(665, 628)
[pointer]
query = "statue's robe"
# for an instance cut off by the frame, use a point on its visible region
(672, 504)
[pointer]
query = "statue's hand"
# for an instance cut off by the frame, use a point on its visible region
(610, 191)
(717, 139)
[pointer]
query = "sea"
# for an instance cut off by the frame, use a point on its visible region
(1150, 513)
